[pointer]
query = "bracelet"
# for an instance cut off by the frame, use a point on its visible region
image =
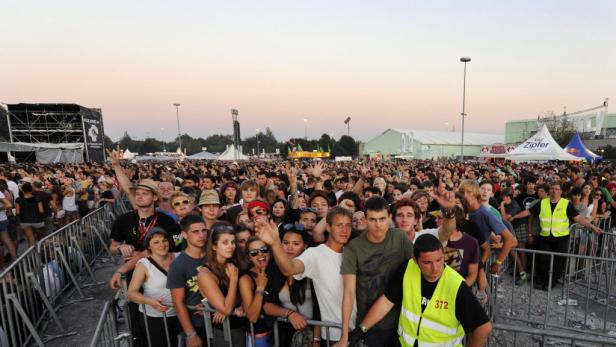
(194, 333)
(498, 262)
(259, 291)
(316, 339)
(121, 273)
(289, 313)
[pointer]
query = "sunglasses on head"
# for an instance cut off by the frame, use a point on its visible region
(255, 252)
(298, 227)
(180, 203)
(307, 209)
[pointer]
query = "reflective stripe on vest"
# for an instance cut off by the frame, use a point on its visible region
(556, 223)
(437, 325)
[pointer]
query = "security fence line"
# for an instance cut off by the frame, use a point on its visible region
(589, 275)
(107, 334)
(512, 335)
(31, 286)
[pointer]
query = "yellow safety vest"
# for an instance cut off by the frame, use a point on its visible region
(556, 223)
(437, 325)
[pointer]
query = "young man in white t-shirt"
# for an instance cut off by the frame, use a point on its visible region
(321, 264)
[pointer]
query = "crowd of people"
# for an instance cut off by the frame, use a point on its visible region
(394, 252)
(36, 200)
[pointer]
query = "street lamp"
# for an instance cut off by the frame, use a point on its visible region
(177, 114)
(162, 131)
(464, 60)
(257, 136)
(306, 129)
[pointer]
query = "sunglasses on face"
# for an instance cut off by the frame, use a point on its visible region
(180, 203)
(255, 252)
(259, 212)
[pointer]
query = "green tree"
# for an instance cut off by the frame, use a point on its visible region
(348, 144)
(561, 127)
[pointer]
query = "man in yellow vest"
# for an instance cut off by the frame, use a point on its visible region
(554, 214)
(438, 308)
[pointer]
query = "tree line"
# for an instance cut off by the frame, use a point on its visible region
(262, 142)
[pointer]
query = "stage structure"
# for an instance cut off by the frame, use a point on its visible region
(57, 124)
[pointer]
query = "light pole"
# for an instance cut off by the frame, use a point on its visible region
(257, 136)
(177, 114)
(306, 129)
(162, 132)
(464, 60)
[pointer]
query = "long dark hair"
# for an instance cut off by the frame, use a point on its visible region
(217, 269)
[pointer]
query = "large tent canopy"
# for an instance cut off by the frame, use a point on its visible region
(48, 153)
(540, 147)
(203, 156)
(230, 154)
(577, 148)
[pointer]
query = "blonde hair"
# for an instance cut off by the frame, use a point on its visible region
(470, 186)
(183, 195)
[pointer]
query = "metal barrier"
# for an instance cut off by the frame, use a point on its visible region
(582, 302)
(26, 286)
(511, 335)
(106, 333)
(34, 282)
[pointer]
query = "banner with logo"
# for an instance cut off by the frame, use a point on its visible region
(92, 121)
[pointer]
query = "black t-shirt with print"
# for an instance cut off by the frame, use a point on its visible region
(126, 229)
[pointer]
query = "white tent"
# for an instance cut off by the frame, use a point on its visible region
(203, 156)
(128, 155)
(540, 147)
(231, 154)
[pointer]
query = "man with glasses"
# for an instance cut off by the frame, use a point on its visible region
(554, 214)
(182, 279)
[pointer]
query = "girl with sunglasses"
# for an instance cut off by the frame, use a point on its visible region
(218, 282)
(252, 290)
(290, 298)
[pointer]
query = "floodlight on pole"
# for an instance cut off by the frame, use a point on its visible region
(257, 136)
(464, 60)
(177, 114)
(162, 132)
(306, 129)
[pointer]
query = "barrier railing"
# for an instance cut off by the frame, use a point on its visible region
(511, 335)
(32, 285)
(582, 301)
(106, 332)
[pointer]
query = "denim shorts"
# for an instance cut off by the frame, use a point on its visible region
(4, 226)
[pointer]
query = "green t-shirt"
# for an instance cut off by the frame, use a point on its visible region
(372, 264)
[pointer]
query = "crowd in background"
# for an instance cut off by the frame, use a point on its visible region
(305, 240)
(36, 200)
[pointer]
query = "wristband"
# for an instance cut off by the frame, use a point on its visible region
(289, 313)
(363, 328)
(194, 333)
(121, 273)
(259, 291)
(498, 262)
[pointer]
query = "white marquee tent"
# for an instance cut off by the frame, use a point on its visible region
(540, 147)
(231, 154)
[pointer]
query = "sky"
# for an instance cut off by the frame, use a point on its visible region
(383, 63)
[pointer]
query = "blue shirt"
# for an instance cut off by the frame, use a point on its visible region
(487, 221)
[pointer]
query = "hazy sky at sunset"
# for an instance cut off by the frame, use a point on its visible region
(384, 63)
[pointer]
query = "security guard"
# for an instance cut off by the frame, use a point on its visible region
(438, 308)
(554, 214)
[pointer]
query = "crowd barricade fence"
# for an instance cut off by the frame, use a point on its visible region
(33, 284)
(583, 300)
(504, 335)
(106, 333)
